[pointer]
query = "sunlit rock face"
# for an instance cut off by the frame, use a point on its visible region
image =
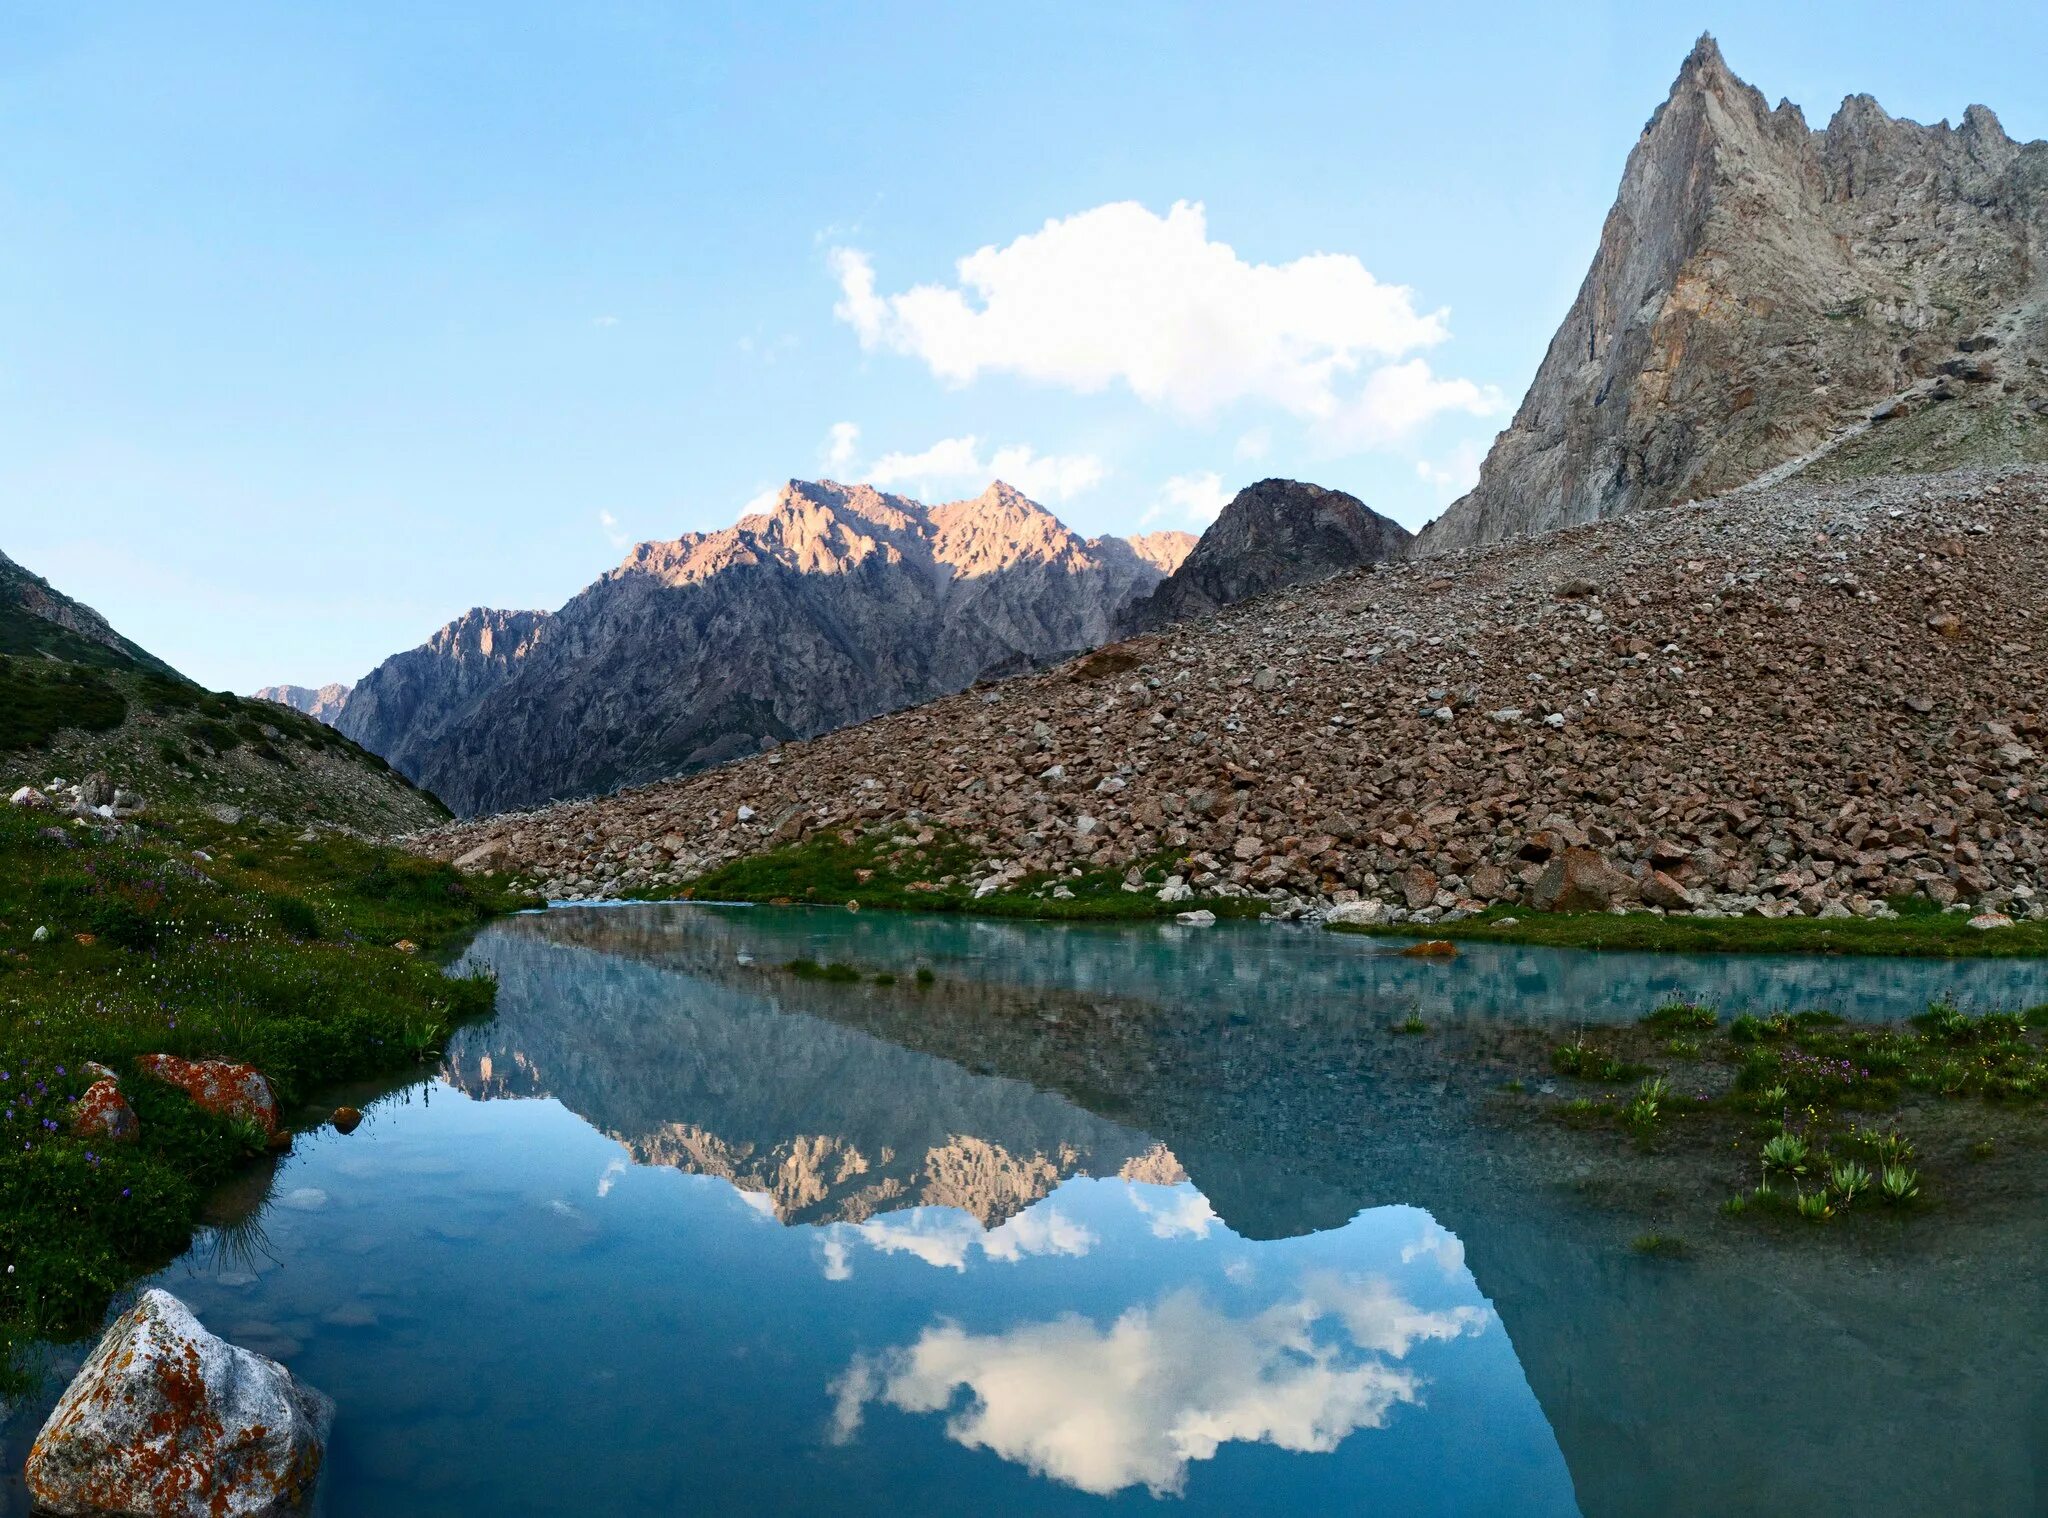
(1760, 290)
(835, 603)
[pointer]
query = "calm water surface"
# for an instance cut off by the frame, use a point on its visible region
(1102, 1219)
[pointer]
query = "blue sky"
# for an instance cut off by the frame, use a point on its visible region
(319, 324)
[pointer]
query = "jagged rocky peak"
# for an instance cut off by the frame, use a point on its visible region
(1762, 291)
(833, 603)
(1165, 551)
(1272, 534)
(322, 703)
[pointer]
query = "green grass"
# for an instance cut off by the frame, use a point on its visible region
(39, 699)
(273, 952)
(888, 868)
(1933, 934)
(1660, 1246)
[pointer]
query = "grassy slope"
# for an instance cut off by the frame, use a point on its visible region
(888, 868)
(274, 952)
(180, 745)
(1921, 930)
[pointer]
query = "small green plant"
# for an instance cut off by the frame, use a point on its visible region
(1898, 1185)
(1681, 1017)
(885, 978)
(1514, 1086)
(249, 1135)
(420, 1038)
(1814, 1206)
(810, 969)
(1983, 1149)
(924, 975)
(1660, 1246)
(1588, 1062)
(1683, 1048)
(1786, 1152)
(1848, 1180)
(1886, 1147)
(1411, 1024)
(1647, 1105)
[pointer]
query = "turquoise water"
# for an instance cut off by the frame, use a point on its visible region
(1101, 1219)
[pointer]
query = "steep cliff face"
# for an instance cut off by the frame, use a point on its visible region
(1272, 534)
(837, 603)
(38, 619)
(1760, 290)
(403, 708)
(323, 703)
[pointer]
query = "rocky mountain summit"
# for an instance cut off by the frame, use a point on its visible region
(836, 603)
(1272, 534)
(323, 704)
(1789, 701)
(37, 618)
(1867, 298)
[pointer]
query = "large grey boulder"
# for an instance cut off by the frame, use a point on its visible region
(168, 1421)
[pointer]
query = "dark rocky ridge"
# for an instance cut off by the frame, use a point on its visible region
(837, 603)
(1760, 290)
(1273, 534)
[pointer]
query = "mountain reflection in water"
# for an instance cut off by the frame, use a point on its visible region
(1096, 1218)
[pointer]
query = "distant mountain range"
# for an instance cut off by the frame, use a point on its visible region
(836, 603)
(324, 704)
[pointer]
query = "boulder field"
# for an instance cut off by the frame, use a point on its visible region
(1789, 700)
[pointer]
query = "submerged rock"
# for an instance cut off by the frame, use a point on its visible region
(166, 1420)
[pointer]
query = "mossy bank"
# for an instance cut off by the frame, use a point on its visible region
(186, 935)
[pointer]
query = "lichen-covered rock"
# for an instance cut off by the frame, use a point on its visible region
(168, 1421)
(103, 1113)
(219, 1086)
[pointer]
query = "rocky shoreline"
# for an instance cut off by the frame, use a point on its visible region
(1785, 702)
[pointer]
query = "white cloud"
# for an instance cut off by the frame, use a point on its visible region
(1174, 1212)
(610, 524)
(945, 1237)
(604, 321)
(1452, 476)
(1105, 1409)
(1255, 444)
(1197, 499)
(1118, 294)
(841, 441)
(953, 461)
(1447, 1249)
(1396, 400)
(764, 501)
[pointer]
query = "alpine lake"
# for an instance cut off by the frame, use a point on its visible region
(962, 1216)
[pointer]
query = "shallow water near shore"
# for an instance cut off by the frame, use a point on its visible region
(1132, 1218)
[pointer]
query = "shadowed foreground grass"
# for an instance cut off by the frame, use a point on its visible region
(206, 941)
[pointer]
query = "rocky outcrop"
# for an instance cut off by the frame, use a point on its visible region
(1761, 291)
(1273, 534)
(168, 1421)
(405, 709)
(1787, 701)
(834, 604)
(36, 618)
(323, 704)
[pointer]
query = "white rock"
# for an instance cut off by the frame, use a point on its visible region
(1176, 889)
(1357, 913)
(1506, 714)
(166, 1419)
(1555, 719)
(1985, 921)
(28, 796)
(1200, 918)
(745, 814)
(41, 935)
